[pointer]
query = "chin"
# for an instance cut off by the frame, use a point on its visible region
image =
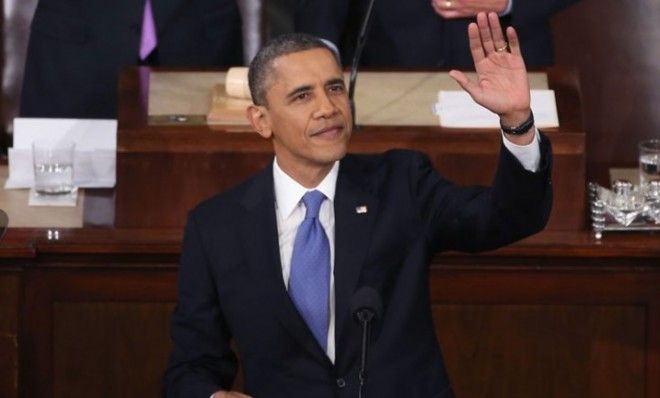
(330, 156)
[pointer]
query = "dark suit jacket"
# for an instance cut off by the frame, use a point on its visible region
(77, 48)
(410, 34)
(231, 287)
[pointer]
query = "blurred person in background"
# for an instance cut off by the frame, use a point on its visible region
(77, 48)
(427, 33)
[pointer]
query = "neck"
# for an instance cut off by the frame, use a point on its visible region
(307, 176)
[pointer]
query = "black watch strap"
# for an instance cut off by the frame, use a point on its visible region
(522, 129)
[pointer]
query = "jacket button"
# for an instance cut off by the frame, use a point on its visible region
(341, 383)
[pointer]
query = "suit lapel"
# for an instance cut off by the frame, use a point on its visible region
(260, 239)
(355, 211)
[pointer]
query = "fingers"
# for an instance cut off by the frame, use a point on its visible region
(476, 47)
(514, 44)
(485, 33)
(496, 30)
(465, 82)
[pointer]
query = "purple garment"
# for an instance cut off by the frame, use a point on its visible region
(148, 41)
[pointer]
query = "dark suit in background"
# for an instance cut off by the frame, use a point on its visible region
(410, 34)
(231, 285)
(77, 48)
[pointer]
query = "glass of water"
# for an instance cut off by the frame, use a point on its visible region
(53, 167)
(649, 161)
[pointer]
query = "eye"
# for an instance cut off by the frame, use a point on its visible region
(336, 88)
(302, 96)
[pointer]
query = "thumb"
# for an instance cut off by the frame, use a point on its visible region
(465, 83)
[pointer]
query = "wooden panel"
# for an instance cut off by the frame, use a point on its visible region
(543, 351)
(594, 327)
(9, 308)
(158, 189)
(617, 51)
(87, 328)
(111, 349)
(566, 284)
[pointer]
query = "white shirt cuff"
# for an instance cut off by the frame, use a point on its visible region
(528, 155)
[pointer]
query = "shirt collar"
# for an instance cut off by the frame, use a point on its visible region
(288, 192)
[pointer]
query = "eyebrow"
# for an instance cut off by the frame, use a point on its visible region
(299, 90)
(308, 87)
(335, 81)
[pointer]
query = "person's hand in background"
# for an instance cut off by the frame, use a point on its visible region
(229, 394)
(450, 9)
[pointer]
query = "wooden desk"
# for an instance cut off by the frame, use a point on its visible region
(466, 156)
(85, 310)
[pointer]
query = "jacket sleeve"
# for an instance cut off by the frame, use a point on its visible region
(477, 218)
(202, 361)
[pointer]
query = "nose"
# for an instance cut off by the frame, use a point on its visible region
(325, 106)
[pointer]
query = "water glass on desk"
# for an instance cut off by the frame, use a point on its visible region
(649, 161)
(53, 167)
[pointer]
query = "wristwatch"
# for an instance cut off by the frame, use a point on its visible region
(522, 129)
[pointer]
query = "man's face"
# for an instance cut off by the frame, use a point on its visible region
(307, 113)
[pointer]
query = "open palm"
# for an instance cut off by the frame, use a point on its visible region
(502, 85)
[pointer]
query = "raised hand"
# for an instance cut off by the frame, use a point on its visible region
(502, 85)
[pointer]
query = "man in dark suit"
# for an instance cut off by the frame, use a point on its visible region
(427, 33)
(77, 48)
(273, 263)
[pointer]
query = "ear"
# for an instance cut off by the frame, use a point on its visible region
(259, 119)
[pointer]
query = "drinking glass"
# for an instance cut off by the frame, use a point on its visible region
(53, 167)
(649, 161)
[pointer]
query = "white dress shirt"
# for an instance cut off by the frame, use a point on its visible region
(529, 155)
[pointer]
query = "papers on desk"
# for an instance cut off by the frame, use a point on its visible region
(95, 157)
(457, 109)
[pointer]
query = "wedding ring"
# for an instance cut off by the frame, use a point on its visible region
(448, 3)
(503, 48)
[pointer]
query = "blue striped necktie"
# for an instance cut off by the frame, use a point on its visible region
(309, 282)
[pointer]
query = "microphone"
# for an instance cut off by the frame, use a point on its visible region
(359, 46)
(366, 306)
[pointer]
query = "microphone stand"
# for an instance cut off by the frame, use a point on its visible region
(364, 316)
(362, 39)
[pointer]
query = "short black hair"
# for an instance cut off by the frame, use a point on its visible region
(285, 44)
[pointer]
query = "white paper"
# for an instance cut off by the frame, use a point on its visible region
(458, 110)
(95, 157)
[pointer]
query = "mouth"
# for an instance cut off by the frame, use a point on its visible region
(329, 132)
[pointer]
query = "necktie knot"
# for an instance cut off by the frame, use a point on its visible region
(313, 200)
